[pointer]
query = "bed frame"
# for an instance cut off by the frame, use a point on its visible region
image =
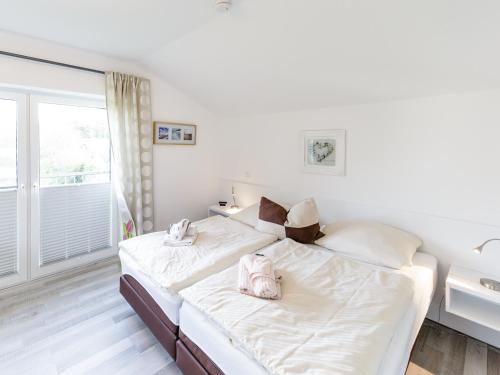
(153, 316)
(193, 361)
(190, 358)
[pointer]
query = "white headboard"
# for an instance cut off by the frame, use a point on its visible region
(449, 240)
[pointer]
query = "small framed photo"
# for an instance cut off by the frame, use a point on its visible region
(324, 152)
(171, 133)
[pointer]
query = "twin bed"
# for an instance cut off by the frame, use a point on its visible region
(153, 274)
(337, 315)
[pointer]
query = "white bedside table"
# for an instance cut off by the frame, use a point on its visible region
(467, 298)
(222, 210)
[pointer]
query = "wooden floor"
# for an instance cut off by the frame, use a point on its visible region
(82, 325)
(442, 351)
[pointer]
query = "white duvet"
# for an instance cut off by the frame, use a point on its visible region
(337, 316)
(220, 243)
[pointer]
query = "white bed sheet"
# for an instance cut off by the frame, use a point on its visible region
(169, 302)
(233, 360)
(221, 242)
(227, 239)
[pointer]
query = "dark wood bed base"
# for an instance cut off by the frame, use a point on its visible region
(192, 360)
(153, 316)
(189, 357)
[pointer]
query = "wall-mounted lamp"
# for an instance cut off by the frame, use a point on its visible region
(479, 249)
(488, 283)
(233, 193)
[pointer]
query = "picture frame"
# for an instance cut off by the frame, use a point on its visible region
(174, 133)
(324, 151)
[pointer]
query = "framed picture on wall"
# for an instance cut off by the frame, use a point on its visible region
(171, 133)
(324, 151)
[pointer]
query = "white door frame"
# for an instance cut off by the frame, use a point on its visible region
(22, 185)
(38, 271)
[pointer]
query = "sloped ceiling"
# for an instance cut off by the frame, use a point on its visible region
(283, 55)
(127, 29)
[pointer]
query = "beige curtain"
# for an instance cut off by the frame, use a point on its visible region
(128, 102)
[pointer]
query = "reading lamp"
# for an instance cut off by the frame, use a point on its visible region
(488, 283)
(233, 193)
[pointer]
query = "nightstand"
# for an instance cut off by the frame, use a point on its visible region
(467, 298)
(222, 210)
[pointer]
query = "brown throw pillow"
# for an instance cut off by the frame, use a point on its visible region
(272, 217)
(300, 223)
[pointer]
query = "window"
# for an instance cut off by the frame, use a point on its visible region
(8, 143)
(74, 145)
(13, 209)
(74, 198)
(67, 193)
(8, 187)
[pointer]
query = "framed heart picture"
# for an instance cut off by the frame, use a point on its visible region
(324, 151)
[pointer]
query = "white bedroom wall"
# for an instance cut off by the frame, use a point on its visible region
(184, 178)
(430, 166)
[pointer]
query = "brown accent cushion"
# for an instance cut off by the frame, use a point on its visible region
(272, 212)
(307, 234)
(300, 223)
(272, 217)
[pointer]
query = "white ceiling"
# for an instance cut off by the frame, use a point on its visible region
(122, 28)
(281, 55)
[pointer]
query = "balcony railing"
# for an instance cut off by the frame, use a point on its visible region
(75, 219)
(78, 178)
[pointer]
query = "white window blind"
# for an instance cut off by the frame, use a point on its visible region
(8, 232)
(74, 220)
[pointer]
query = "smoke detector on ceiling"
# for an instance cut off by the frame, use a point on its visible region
(223, 5)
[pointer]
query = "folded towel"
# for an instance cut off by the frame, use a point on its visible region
(177, 231)
(275, 296)
(188, 239)
(257, 277)
(261, 272)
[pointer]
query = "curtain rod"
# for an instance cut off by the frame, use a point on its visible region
(31, 58)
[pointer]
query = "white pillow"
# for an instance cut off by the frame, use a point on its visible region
(371, 242)
(249, 215)
(302, 222)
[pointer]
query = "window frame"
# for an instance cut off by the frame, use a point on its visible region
(62, 100)
(22, 174)
(35, 268)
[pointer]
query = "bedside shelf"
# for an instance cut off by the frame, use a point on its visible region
(222, 210)
(467, 298)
